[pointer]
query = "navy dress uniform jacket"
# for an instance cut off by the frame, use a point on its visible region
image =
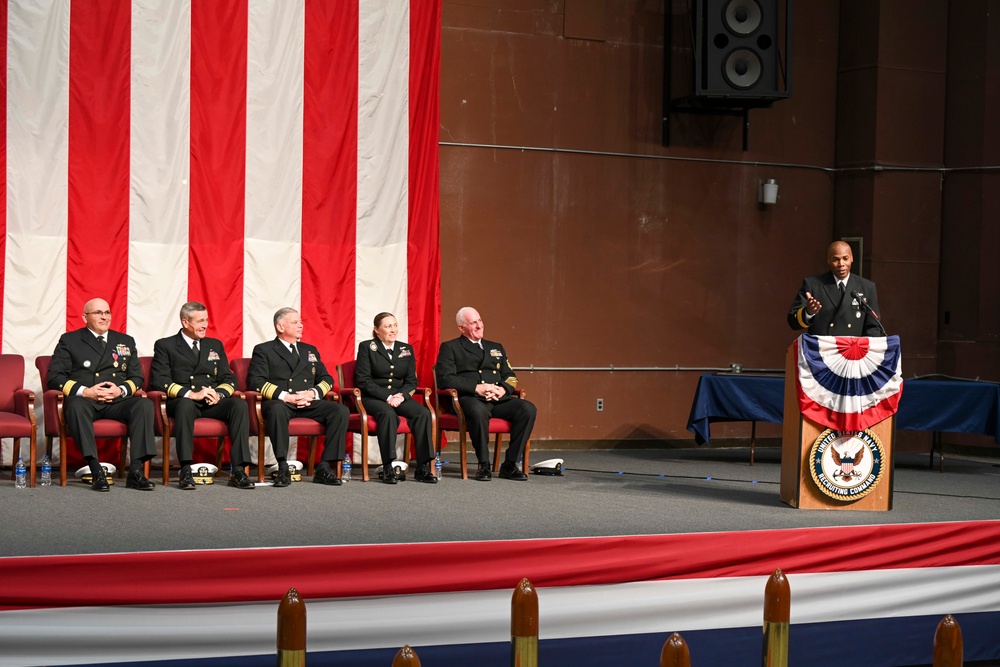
(837, 317)
(380, 376)
(177, 372)
(273, 371)
(461, 365)
(78, 361)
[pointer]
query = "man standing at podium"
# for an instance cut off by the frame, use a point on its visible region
(833, 303)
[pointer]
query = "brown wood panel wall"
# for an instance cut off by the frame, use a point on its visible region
(584, 242)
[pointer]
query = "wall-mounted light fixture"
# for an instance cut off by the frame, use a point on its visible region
(767, 193)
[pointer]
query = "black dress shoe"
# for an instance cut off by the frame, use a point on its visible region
(388, 476)
(483, 474)
(425, 475)
(326, 476)
(239, 479)
(509, 470)
(100, 482)
(284, 476)
(186, 479)
(136, 480)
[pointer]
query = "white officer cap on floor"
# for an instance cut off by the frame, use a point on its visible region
(84, 475)
(204, 473)
(402, 466)
(548, 467)
(294, 470)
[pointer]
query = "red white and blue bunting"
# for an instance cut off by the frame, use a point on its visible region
(848, 383)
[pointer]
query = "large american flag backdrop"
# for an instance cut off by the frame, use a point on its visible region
(248, 154)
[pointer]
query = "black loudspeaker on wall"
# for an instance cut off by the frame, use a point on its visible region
(736, 50)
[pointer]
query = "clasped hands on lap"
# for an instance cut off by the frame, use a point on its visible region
(490, 392)
(300, 399)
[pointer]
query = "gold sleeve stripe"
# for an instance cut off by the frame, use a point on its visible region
(800, 315)
(132, 388)
(269, 390)
(68, 387)
(512, 381)
(174, 390)
(227, 387)
(324, 388)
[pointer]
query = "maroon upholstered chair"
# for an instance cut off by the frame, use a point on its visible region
(451, 418)
(297, 426)
(17, 410)
(55, 424)
(204, 427)
(363, 423)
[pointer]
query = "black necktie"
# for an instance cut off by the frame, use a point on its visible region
(194, 348)
(104, 343)
(295, 354)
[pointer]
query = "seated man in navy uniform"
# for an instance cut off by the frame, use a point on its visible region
(99, 373)
(833, 303)
(292, 381)
(194, 372)
(481, 373)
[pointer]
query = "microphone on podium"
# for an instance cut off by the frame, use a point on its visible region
(860, 298)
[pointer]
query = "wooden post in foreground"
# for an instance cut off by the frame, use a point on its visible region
(675, 652)
(406, 658)
(524, 626)
(291, 630)
(948, 643)
(777, 612)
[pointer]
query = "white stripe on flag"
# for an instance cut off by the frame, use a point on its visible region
(34, 313)
(273, 255)
(160, 160)
(383, 113)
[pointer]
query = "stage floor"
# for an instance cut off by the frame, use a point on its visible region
(602, 493)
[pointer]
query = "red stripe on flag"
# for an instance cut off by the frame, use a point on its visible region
(423, 248)
(329, 179)
(98, 169)
(218, 165)
(3, 158)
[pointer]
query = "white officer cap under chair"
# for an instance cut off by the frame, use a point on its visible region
(398, 467)
(294, 470)
(204, 473)
(85, 476)
(550, 467)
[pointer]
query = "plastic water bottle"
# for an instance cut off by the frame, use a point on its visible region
(46, 471)
(20, 474)
(437, 465)
(345, 470)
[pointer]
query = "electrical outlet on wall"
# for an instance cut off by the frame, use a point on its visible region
(600, 405)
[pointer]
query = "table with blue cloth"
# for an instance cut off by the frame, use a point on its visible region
(952, 406)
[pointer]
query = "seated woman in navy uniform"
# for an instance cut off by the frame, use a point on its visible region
(386, 374)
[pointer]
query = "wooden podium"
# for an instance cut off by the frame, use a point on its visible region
(799, 485)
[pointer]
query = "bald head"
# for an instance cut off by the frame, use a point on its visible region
(840, 258)
(97, 315)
